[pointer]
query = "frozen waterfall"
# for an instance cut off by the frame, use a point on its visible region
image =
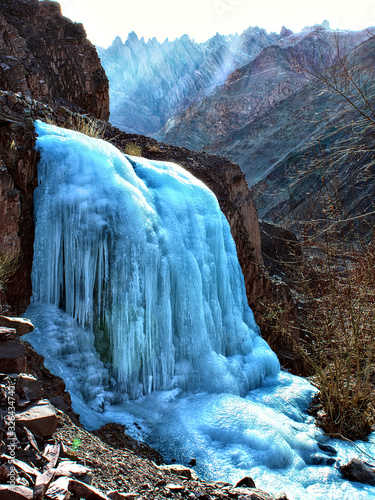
(140, 306)
(140, 253)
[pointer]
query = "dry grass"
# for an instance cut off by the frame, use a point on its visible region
(80, 123)
(132, 149)
(337, 284)
(341, 334)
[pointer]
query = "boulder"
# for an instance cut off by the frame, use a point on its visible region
(247, 482)
(12, 357)
(40, 418)
(356, 470)
(15, 492)
(21, 325)
(28, 387)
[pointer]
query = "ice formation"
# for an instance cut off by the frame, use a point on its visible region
(140, 305)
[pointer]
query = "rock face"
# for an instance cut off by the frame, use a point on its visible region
(247, 93)
(46, 56)
(151, 81)
(338, 166)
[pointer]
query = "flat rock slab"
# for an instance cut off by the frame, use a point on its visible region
(116, 495)
(83, 490)
(12, 357)
(40, 418)
(58, 490)
(10, 492)
(180, 470)
(70, 469)
(21, 325)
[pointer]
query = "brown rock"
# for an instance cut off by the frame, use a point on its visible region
(42, 483)
(7, 334)
(179, 470)
(51, 453)
(10, 492)
(31, 439)
(12, 357)
(83, 490)
(5, 471)
(247, 482)
(175, 487)
(68, 468)
(28, 387)
(116, 495)
(22, 467)
(58, 490)
(356, 470)
(50, 59)
(40, 418)
(21, 325)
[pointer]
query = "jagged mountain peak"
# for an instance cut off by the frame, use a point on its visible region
(150, 82)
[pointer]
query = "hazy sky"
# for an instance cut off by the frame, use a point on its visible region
(201, 19)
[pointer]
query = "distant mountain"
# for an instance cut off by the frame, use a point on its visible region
(267, 108)
(150, 81)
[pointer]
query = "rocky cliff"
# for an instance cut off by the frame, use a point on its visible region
(46, 56)
(18, 178)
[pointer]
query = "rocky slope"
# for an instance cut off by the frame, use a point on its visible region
(269, 107)
(152, 81)
(337, 169)
(48, 57)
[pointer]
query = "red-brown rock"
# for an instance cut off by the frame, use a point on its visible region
(83, 490)
(10, 492)
(7, 334)
(40, 418)
(58, 490)
(21, 325)
(48, 57)
(42, 483)
(28, 387)
(12, 357)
